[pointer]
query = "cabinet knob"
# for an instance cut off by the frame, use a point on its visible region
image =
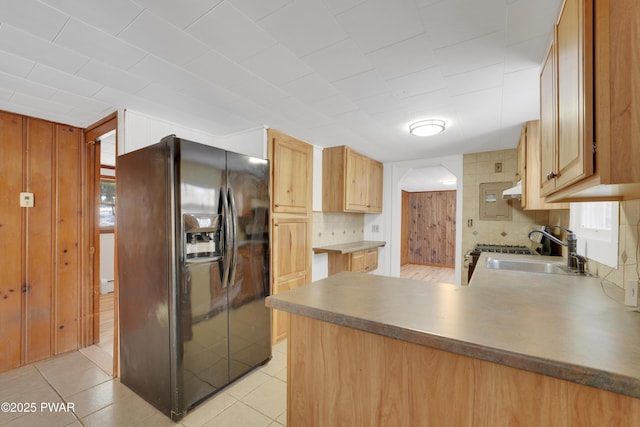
(551, 175)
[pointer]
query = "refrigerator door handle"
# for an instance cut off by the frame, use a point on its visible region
(226, 258)
(234, 227)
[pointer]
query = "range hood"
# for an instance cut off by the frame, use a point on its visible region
(514, 192)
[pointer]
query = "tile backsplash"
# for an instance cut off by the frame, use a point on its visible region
(336, 228)
(482, 168)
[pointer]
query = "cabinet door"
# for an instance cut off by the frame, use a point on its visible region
(292, 166)
(291, 264)
(280, 319)
(371, 260)
(548, 125)
(356, 191)
(574, 42)
(375, 187)
(10, 241)
(291, 249)
(357, 261)
(521, 166)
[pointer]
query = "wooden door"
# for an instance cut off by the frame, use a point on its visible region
(404, 228)
(432, 227)
(574, 41)
(90, 292)
(11, 171)
(292, 164)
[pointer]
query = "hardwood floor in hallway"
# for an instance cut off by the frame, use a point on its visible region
(428, 273)
(106, 322)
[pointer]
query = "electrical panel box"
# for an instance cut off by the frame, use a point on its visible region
(492, 206)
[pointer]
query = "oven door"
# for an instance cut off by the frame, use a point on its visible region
(471, 258)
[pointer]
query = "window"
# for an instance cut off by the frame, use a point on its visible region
(596, 226)
(107, 204)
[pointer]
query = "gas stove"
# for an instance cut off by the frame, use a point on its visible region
(503, 249)
(473, 255)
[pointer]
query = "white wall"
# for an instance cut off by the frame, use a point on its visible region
(391, 217)
(319, 262)
(137, 130)
(107, 254)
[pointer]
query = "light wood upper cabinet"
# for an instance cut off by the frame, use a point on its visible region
(356, 182)
(351, 182)
(548, 124)
(574, 42)
(375, 190)
(292, 166)
(530, 146)
(592, 79)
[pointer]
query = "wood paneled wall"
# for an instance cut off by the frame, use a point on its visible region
(431, 228)
(40, 246)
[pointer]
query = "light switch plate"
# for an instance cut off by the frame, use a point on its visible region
(26, 200)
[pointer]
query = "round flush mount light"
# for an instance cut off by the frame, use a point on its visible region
(427, 127)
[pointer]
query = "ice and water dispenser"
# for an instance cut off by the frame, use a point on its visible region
(201, 237)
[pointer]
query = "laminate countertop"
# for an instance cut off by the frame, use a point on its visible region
(347, 248)
(570, 327)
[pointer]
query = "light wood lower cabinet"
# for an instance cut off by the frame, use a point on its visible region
(359, 262)
(290, 264)
(372, 380)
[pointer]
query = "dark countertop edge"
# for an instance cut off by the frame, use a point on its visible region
(596, 378)
(346, 248)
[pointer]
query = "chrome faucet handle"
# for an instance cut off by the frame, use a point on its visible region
(580, 262)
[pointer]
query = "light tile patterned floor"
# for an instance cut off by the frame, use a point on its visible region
(258, 399)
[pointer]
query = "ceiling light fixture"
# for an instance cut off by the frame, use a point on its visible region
(427, 127)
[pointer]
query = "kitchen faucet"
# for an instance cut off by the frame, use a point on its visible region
(575, 262)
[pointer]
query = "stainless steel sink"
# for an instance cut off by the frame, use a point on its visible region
(528, 265)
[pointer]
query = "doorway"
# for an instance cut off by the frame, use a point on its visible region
(101, 324)
(428, 225)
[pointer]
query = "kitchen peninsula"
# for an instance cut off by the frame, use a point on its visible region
(511, 349)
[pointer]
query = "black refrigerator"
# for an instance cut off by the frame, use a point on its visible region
(193, 270)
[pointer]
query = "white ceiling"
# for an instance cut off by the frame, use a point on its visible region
(330, 72)
(432, 178)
